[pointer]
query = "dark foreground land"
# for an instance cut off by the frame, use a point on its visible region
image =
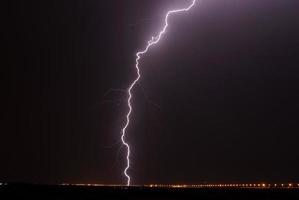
(24, 191)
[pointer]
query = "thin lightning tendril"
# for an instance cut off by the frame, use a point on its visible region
(150, 43)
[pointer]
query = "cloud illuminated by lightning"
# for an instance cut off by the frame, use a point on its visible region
(150, 43)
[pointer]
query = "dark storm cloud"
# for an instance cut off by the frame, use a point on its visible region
(217, 100)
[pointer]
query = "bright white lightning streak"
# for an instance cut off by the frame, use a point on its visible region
(150, 43)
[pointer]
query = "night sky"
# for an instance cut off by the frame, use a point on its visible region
(217, 102)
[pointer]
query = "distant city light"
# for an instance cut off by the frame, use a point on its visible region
(182, 186)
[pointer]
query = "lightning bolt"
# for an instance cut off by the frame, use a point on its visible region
(153, 41)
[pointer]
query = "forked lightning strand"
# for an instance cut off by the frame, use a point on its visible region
(152, 42)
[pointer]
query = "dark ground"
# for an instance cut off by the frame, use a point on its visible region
(70, 192)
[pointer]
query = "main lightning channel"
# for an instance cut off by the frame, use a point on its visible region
(150, 43)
